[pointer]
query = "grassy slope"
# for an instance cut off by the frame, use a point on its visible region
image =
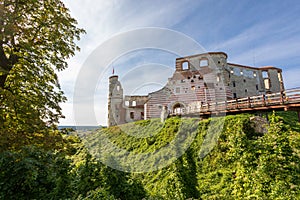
(242, 163)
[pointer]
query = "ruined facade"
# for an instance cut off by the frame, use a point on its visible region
(198, 79)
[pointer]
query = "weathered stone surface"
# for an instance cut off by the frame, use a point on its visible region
(259, 124)
(198, 79)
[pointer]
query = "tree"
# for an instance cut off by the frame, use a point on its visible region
(36, 39)
(33, 173)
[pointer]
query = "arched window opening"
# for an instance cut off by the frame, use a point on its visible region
(178, 109)
(218, 78)
(133, 103)
(185, 65)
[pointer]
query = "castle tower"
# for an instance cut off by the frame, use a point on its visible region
(115, 102)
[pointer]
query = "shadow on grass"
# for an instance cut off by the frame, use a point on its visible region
(291, 118)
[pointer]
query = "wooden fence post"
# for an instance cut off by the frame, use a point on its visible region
(264, 99)
(249, 102)
(282, 96)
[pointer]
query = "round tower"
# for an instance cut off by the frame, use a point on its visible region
(115, 101)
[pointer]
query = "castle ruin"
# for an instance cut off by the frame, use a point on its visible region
(198, 79)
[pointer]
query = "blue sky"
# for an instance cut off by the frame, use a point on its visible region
(255, 33)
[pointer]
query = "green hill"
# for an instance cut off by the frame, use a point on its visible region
(219, 158)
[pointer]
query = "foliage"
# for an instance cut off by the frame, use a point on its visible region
(98, 193)
(36, 38)
(242, 165)
(290, 118)
(37, 161)
(33, 173)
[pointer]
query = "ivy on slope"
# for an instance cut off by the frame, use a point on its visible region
(242, 163)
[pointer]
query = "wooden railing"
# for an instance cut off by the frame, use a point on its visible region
(290, 96)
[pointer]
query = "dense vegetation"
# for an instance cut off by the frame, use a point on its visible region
(37, 161)
(243, 164)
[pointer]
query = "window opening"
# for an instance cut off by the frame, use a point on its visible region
(234, 95)
(142, 115)
(279, 77)
(203, 63)
(267, 84)
(185, 65)
(131, 115)
(133, 103)
(265, 74)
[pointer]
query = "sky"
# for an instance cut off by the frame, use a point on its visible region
(140, 40)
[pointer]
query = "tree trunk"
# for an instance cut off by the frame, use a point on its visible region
(2, 81)
(6, 64)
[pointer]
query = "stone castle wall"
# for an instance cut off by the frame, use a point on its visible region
(198, 79)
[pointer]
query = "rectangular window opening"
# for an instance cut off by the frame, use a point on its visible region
(131, 115)
(265, 74)
(203, 63)
(279, 77)
(126, 103)
(267, 83)
(142, 115)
